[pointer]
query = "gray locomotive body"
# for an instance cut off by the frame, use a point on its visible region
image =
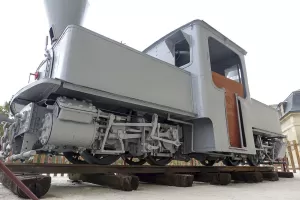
(100, 99)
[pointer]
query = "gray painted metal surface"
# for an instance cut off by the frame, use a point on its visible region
(88, 59)
(263, 117)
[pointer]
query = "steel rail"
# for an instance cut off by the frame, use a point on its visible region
(93, 169)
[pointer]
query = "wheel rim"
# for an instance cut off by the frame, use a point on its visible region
(253, 160)
(158, 160)
(74, 158)
(130, 161)
(99, 159)
(208, 162)
(231, 162)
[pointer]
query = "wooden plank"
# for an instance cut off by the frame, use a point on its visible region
(177, 180)
(285, 174)
(192, 162)
(270, 176)
(38, 184)
(38, 158)
(63, 160)
(35, 159)
(42, 160)
(60, 162)
(248, 177)
(286, 166)
(213, 178)
(297, 153)
(119, 181)
(53, 160)
(291, 156)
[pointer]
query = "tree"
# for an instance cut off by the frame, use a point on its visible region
(4, 110)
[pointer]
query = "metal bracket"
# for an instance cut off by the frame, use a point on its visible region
(110, 123)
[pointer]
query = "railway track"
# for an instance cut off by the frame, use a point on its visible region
(127, 178)
(92, 169)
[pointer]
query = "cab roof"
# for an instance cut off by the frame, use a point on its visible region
(203, 24)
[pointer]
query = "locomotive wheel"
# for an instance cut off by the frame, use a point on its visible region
(99, 159)
(131, 161)
(231, 162)
(74, 158)
(208, 162)
(160, 161)
(253, 160)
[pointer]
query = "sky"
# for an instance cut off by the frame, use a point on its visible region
(268, 30)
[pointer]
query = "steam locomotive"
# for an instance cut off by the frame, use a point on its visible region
(95, 100)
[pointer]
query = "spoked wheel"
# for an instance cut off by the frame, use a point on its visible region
(253, 160)
(99, 159)
(231, 162)
(160, 161)
(130, 160)
(74, 158)
(208, 162)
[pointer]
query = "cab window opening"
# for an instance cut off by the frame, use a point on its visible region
(225, 62)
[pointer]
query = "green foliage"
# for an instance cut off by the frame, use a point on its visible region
(4, 110)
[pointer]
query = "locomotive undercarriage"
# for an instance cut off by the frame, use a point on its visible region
(76, 128)
(87, 135)
(268, 150)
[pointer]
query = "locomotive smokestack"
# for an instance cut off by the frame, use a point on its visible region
(62, 13)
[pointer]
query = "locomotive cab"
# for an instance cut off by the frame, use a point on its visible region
(226, 115)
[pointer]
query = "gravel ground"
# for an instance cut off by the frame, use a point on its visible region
(62, 188)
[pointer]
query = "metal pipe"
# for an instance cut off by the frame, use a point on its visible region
(133, 124)
(4, 118)
(17, 181)
(23, 155)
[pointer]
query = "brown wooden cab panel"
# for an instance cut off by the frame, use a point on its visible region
(231, 87)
